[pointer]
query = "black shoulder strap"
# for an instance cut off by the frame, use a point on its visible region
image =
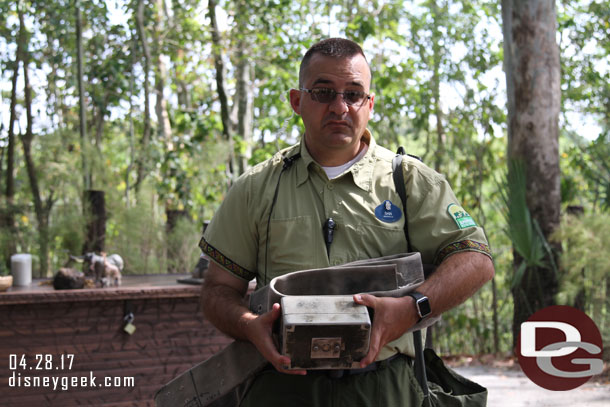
(399, 184)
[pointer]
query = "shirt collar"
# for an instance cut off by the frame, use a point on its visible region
(362, 171)
(303, 163)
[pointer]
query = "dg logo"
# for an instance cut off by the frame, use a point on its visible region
(560, 348)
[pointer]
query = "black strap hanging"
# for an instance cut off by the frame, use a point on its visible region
(399, 182)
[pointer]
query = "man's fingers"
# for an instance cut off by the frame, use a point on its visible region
(365, 299)
(369, 301)
(263, 340)
(374, 346)
(282, 364)
(284, 367)
(272, 314)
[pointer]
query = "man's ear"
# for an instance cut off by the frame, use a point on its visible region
(371, 104)
(295, 100)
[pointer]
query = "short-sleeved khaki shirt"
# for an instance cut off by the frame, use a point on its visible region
(363, 203)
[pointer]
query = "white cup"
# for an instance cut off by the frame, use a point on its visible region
(21, 269)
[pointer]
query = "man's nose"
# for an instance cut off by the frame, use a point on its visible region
(338, 105)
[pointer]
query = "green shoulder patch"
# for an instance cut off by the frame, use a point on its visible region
(460, 216)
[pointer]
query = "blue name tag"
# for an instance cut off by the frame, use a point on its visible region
(388, 212)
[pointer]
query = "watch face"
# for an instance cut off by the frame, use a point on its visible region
(423, 307)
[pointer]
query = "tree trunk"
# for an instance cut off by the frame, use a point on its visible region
(96, 222)
(8, 220)
(531, 58)
(173, 252)
(42, 210)
(81, 96)
(184, 98)
(227, 126)
(132, 149)
(173, 216)
(99, 128)
(436, 88)
(163, 123)
(165, 128)
(245, 103)
(145, 141)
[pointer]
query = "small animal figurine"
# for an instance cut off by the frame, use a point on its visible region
(107, 269)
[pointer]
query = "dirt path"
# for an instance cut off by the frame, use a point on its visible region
(511, 388)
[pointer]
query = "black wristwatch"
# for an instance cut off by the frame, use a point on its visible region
(422, 304)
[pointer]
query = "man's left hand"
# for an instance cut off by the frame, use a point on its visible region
(393, 317)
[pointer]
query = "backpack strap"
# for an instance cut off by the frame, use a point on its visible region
(399, 184)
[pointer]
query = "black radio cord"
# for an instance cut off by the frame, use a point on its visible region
(288, 161)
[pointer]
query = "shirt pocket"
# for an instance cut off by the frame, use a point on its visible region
(292, 245)
(378, 240)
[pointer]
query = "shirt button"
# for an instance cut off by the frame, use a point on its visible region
(330, 186)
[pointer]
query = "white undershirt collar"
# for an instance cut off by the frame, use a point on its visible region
(334, 172)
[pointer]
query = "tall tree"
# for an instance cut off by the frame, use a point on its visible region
(531, 63)
(42, 207)
(160, 32)
(438, 54)
(244, 92)
(8, 218)
(227, 123)
(81, 97)
(141, 166)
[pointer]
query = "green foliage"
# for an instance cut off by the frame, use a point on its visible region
(182, 254)
(584, 241)
(137, 234)
(522, 229)
(68, 233)
(584, 28)
(587, 170)
(585, 265)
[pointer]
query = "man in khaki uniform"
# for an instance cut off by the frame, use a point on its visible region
(275, 219)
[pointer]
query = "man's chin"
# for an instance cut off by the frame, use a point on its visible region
(339, 143)
(340, 137)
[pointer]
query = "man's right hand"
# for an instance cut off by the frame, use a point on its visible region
(222, 299)
(259, 331)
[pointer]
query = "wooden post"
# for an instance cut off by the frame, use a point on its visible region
(95, 212)
(173, 251)
(173, 216)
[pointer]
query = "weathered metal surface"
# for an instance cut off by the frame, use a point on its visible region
(326, 348)
(324, 332)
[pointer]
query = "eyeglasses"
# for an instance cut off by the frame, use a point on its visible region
(327, 95)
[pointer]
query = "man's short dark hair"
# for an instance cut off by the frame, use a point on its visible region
(331, 47)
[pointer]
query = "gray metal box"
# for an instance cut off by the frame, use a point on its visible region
(324, 332)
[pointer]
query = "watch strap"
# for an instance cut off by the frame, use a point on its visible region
(422, 304)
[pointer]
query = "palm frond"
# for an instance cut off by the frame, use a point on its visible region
(523, 231)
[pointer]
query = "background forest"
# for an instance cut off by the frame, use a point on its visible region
(160, 104)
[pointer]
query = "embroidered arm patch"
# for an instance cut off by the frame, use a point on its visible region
(462, 246)
(224, 261)
(460, 216)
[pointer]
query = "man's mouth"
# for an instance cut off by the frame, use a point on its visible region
(338, 123)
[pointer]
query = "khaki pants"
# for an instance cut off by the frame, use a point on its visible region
(393, 384)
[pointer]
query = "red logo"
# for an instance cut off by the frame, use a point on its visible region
(560, 348)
